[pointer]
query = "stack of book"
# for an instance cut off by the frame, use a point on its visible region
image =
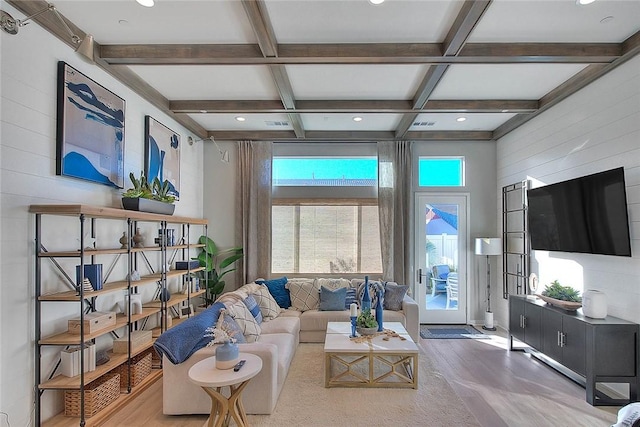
(70, 360)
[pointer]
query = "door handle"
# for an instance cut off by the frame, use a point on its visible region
(559, 340)
(420, 275)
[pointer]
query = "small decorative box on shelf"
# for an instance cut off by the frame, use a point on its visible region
(138, 340)
(187, 265)
(92, 322)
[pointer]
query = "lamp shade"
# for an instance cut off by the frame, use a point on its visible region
(488, 246)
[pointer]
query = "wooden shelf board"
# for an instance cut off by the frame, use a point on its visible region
(115, 286)
(101, 417)
(175, 299)
(66, 338)
(111, 213)
(60, 382)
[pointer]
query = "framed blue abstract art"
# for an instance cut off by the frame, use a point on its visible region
(90, 129)
(162, 154)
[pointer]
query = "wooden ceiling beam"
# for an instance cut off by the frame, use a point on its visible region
(360, 53)
(467, 19)
(346, 136)
(261, 24)
(630, 48)
(352, 106)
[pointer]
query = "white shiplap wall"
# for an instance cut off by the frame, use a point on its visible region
(596, 129)
(27, 176)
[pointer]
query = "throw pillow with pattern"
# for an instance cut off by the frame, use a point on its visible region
(350, 298)
(304, 294)
(278, 290)
(248, 324)
(268, 306)
(374, 287)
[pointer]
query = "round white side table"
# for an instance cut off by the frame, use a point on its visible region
(212, 380)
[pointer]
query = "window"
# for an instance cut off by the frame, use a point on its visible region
(441, 172)
(324, 213)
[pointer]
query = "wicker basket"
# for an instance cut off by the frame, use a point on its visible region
(98, 395)
(140, 369)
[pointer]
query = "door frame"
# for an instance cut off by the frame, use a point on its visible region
(463, 256)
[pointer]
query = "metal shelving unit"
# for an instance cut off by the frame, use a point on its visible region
(516, 250)
(87, 300)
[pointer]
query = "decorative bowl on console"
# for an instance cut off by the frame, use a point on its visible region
(566, 305)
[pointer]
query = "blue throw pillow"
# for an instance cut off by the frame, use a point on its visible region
(393, 296)
(332, 300)
(351, 297)
(254, 308)
(278, 291)
(232, 328)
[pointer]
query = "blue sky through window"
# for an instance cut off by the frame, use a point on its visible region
(303, 171)
(445, 172)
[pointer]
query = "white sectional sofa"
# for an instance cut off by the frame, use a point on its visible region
(276, 345)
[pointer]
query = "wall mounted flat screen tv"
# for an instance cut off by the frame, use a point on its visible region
(587, 215)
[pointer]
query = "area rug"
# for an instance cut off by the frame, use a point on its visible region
(304, 401)
(451, 332)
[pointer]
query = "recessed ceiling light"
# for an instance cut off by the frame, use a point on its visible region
(146, 3)
(583, 2)
(240, 119)
(461, 119)
(357, 119)
(376, 1)
(505, 111)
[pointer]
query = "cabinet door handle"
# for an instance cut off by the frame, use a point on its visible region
(524, 322)
(559, 339)
(563, 339)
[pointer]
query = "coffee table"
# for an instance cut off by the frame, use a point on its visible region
(212, 380)
(387, 359)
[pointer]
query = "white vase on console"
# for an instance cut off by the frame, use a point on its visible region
(594, 304)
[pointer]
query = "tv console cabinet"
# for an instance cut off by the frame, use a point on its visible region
(589, 351)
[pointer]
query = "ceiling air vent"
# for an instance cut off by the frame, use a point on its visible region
(274, 123)
(424, 123)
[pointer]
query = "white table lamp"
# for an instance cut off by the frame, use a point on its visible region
(488, 246)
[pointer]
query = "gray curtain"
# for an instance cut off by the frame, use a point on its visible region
(253, 209)
(395, 206)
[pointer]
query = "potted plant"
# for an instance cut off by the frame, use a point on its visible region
(151, 197)
(366, 324)
(217, 263)
(562, 296)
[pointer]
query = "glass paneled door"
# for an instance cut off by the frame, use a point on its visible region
(441, 251)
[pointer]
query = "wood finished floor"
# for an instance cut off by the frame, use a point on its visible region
(501, 388)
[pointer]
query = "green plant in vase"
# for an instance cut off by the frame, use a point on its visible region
(217, 263)
(562, 293)
(366, 320)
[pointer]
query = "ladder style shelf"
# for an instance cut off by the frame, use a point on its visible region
(86, 300)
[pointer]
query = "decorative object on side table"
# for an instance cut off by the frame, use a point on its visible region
(154, 197)
(366, 324)
(366, 296)
(488, 246)
(594, 304)
(227, 354)
(354, 317)
(564, 297)
(379, 310)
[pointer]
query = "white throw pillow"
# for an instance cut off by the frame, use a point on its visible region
(268, 306)
(243, 317)
(305, 295)
(333, 284)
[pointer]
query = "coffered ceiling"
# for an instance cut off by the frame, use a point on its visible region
(303, 69)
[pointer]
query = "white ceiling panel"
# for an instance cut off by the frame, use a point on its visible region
(557, 21)
(345, 122)
(359, 21)
(503, 81)
(268, 122)
(125, 21)
(201, 82)
(355, 81)
(449, 121)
